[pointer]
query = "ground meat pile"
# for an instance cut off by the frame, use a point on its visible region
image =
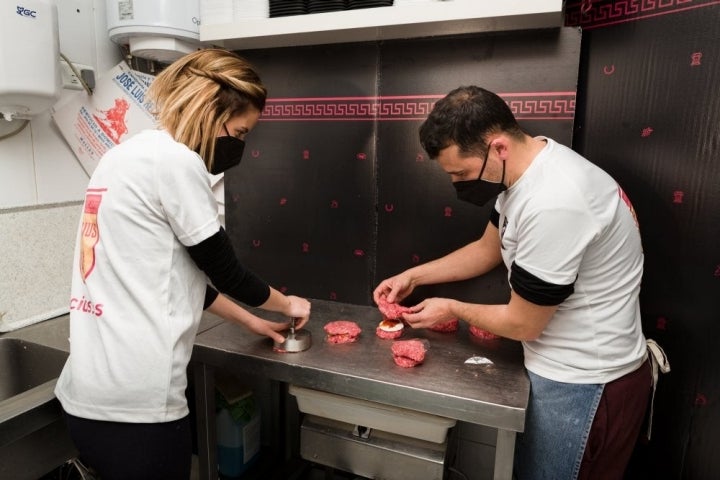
(342, 331)
(408, 353)
(446, 327)
(391, 310)
(480, 333)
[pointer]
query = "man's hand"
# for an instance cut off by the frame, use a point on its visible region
(394, 289)
(429, 312)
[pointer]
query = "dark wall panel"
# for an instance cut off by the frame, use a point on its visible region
(300, 209)
(649, 113)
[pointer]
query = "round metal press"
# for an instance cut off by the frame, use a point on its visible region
(294, 341)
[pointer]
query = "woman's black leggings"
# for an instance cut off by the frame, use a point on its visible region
(134, 451)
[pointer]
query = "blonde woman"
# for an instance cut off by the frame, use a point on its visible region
(148, 241)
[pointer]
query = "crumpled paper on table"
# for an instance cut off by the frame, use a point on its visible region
(479, 361)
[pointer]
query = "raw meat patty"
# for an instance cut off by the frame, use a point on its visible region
(446, 327)
(480, 333)
(342, 331)
(392, 310)
(389, 329)
(408, 353)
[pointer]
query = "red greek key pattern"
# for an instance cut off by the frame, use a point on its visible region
(543, 109)
(591, 14)
(525, 106)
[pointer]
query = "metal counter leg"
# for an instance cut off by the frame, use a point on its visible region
(206, 429)
(504, 454)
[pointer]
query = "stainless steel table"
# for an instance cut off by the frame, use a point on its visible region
(491, 394)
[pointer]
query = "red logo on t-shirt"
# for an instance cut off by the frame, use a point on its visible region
(89, 234)
(627, 201)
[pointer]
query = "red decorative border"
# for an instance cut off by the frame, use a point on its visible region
(525, 106)
(591, 14)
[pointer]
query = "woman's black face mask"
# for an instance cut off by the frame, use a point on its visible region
(228, 153)
(479, 191)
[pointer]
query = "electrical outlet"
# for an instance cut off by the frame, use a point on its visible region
(70, 80)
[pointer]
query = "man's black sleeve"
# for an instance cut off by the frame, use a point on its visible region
(215, 257)
(536, 290)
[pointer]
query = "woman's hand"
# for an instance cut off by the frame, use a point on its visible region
(266, 327)
(225, 308)
(299, 309)
(289, 305)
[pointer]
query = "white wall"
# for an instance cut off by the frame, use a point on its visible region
(42, 186)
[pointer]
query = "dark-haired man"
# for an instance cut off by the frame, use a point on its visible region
(568, 235)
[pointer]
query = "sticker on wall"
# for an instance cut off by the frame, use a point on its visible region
(116, 110)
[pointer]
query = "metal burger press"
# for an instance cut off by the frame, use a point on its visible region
(294, 341)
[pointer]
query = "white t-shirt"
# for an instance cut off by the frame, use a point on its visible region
(137, 296)
(566, 221)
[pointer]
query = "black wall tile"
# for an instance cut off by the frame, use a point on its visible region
(648, 113)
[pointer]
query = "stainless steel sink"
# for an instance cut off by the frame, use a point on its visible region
(26, 365)
(33, 437)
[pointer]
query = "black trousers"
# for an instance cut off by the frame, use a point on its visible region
(133, 451)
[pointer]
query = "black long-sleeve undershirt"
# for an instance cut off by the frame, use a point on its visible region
(216, 257)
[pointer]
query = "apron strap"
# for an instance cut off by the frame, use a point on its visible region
(660, 363)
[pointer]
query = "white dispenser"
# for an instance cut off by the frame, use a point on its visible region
(161, 30)
(30, 76)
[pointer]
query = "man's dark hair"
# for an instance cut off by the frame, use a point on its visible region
(465, 117)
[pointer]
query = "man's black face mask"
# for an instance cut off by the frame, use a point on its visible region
(479, 191)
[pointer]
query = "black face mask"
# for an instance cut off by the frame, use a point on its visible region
(479, 191)
(228, 153)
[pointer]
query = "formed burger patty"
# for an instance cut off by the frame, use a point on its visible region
(480, 333)
(342, 331)
(391, 310)
(408, 353)
(446, 327)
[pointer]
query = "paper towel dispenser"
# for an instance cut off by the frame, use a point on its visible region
(30, 76)
(155, 29)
